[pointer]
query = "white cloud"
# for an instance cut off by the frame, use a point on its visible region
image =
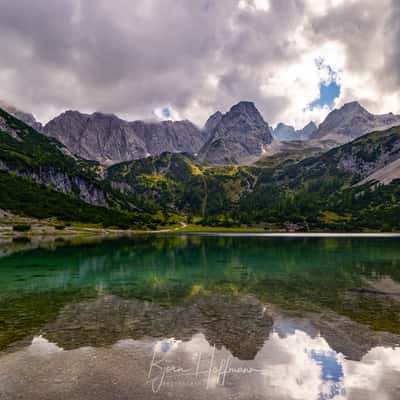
(254, 5)
(40, 346)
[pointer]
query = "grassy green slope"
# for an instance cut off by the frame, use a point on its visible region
(175, 182)
(317, 193)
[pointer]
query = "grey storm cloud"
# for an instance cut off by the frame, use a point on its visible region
(392, 47)
(193, 55)
(370, 32)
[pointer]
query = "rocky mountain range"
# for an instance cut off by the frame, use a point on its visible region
(288, 133)
(241, 136)
(350, 122)
(109, 139)
(238, 137)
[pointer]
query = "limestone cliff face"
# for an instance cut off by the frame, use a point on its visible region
(109, 139)
(239, 137)
(87, 191)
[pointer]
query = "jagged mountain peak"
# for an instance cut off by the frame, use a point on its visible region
(282, 125)
(239, 137)
(352, 105)
(311, 125)
(72, 112)
(243, 106)
(286, 132)
(351, 121)
(245, 109)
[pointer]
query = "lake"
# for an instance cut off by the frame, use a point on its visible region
(178, 316)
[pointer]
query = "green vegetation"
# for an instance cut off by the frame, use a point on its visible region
(317, 193)
(24, 149)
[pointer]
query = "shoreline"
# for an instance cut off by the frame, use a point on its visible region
(111, 233)
(47, 230)
(295, 234)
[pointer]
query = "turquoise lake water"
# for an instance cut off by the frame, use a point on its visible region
(191, 316)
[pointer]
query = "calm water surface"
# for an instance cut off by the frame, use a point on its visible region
(201, 317)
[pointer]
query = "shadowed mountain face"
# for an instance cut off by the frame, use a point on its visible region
(240, 137)
(352, 121)
(109, 139)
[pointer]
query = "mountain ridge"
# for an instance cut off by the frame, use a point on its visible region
(352, 121)
(109, 139)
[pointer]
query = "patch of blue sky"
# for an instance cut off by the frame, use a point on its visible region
(166, 112)
(327, 95)
(332, 373)
(329, 88)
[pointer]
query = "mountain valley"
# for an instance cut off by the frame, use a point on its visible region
(230, 173)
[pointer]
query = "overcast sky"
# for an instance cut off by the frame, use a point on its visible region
(295, 59)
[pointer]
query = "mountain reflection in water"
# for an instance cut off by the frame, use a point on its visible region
(289, 365)
(201, 317)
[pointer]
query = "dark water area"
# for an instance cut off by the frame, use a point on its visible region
(193, 317)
